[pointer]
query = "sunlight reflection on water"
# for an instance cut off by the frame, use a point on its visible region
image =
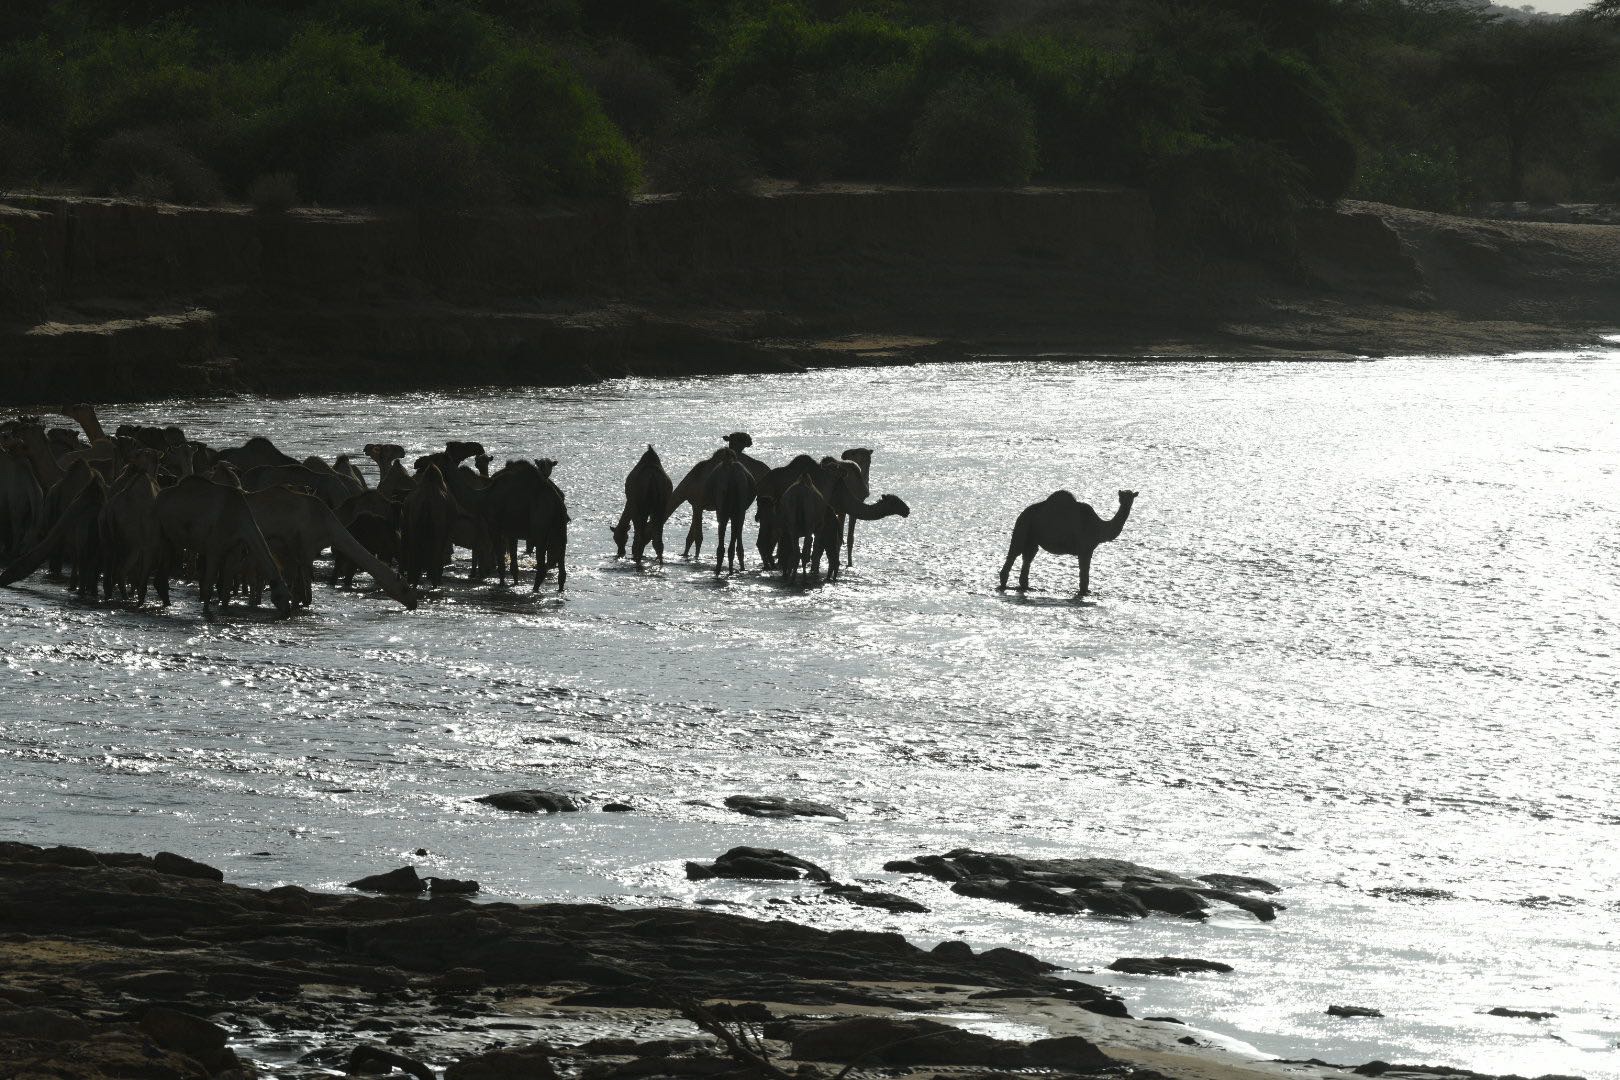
(1358, 634)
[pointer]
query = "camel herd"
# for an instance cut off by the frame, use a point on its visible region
(143, 506)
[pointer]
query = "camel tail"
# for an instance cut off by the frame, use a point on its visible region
(343, 542)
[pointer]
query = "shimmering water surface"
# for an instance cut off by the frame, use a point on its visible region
(1358, 638)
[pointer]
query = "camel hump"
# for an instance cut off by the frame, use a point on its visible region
(1062, 496)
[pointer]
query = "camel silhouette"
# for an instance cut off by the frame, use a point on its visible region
(1063, 525)
(646, 490)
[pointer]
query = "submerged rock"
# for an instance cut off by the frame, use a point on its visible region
(873, 899)
(775, 806)
(1074, 886)
(403, 880)
(1522, 1014)
(766, 864)
(530, 801)
(1353, 1011)
(1166, 965)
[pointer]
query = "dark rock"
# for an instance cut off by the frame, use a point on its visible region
(369, 1059)
(168, 862)
(515, 1063)
(1352, 1011)
(48, 1025)
(460, 979)
(530, 801)
(1401, 892)
(1016, 961)
(451, 886)
(1098, 886)
(775, 806)
(874, 899)
(1165, 1020)
(1239, 883)
(1166, 965)
(766, 864)
(955, 951)
(1171, 901)
(156, 983)
(1070, 1053)
(617, 808)
(875, 1040)
(421, 852)
(1522, 1014)
(403, 880)
(196, 1038)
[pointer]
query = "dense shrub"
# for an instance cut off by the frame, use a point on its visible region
(150, 164)
(441, 40)
(634, 91)
(974, 131)
(1238, 195)
(273, 193)
(554, 138)
(129, 79)
(419, 168)
(300, 110)
(33, 87)
(1280, 99)
(701, 163)
(1418, 180)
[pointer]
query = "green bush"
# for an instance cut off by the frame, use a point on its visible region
(300, 110)
(1280, 99)
(273, 193)
(701, 163)
(974, 131)
(126, 79)
(443, 40)
(418, 168)
(553, 138)
(634, 91)
(33, 87)
(150, 164)
(1413, 179)
(1241, 195)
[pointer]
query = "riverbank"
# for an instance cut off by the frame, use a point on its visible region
(135, 301)
(122, 965)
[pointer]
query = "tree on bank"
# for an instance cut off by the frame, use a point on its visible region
(1524, 72)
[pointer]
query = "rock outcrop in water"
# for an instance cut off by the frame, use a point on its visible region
(119, 966)
(1074, 886)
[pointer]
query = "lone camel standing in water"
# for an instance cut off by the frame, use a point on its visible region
(1064, 526)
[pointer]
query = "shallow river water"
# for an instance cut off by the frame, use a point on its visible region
(1359, 637)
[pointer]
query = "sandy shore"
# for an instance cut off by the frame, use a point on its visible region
(118, 966)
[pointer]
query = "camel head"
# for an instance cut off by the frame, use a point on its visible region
(1126, 497)
(383, 454)
(458, 452)
(894, 506)
(280, 596)
(861, 456)
(738, 440)
(621, 535)
(545, 465)
(145, 459)
(482, 461)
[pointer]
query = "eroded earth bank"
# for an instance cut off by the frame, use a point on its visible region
(148, 301)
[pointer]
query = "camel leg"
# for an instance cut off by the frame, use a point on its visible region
(694, 536)
(719, 543)
(1028, 555)
(849, 545)
(656, 528)
(1085, 572)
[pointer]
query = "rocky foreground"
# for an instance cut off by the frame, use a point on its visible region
(126, 966)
